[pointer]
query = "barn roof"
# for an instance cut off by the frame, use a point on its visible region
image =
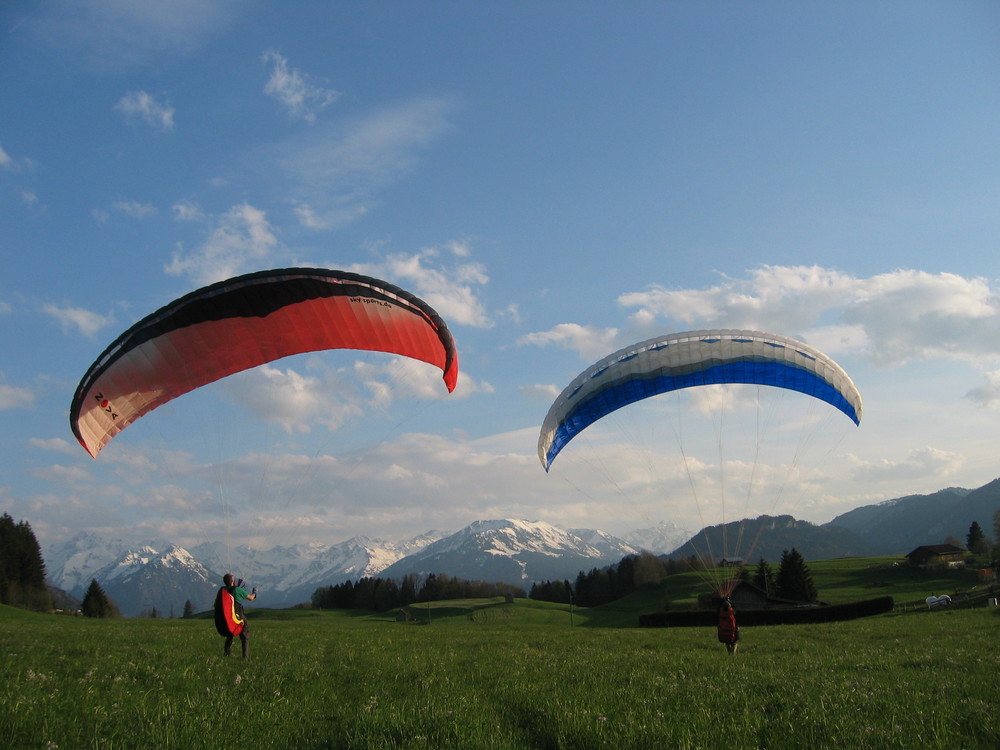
(936, 549)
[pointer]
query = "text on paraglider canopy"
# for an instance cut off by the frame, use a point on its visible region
(105, 405)
(370, 301)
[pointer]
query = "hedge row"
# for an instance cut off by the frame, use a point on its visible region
(796, 615)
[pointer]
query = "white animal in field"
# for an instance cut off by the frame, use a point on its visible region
(933, 602)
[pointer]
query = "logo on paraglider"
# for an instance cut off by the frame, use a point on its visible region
(369, 301)
(106, 405)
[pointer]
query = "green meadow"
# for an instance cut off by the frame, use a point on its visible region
(488, 674)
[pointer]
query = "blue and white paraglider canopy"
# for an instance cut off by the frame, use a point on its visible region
(684, 360)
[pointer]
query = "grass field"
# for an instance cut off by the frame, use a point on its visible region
(485, 674)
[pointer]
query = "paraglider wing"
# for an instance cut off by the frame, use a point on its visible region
(244, 322)
(683, 360)
(228, 614)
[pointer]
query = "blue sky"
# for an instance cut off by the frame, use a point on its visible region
(558, 180)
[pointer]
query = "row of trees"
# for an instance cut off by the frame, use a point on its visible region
(22, 569)
(384, 594)
(602, 585)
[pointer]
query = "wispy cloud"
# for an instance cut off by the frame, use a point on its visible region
(919, 463)
(335, 172)
(298, 92)
(134, 209)
(10, 163)
(988, 393)
(241, 238)
(113, 34)
(138, 105)
(546, 393)
(15, 397)
(590, 342)
(56, 445)
(77, 319)
(187, 211)
(62, 474)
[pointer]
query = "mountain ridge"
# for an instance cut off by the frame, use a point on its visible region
(157, 574)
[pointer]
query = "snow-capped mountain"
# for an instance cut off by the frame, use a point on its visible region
(72, 564)
(289, 575)
(513, 551)
(661, 539)
(605, 543)
(140, 577)
(284, 575)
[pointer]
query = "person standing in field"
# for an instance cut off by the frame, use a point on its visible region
(729, 631)
(230, 620)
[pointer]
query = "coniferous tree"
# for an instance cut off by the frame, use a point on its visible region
(96, 603)
(430, 590)
(386, 595)
(649, 570)
(763, 577)
(794, 580)
(22, 569)
(408, 589)
(976, 541)
(188, 609)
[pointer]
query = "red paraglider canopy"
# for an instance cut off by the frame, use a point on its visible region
(244, 322)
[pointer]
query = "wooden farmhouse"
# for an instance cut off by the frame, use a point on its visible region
(936, 554)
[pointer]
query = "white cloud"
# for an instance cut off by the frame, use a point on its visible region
(919, 463)
(138, 105)
(241, 238)
(118, 33)
(450, 290)
(296, 91)
(898, 316)
(62, 474)
(916, 315)
(293, 400)
(13, 164)
(186, 211)
(589, 342)
(401, 377)
(77, 319)
(987, 394)
(134, 209)
(14, 397)
(309, 218)
(56, 445)
(546, 393)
